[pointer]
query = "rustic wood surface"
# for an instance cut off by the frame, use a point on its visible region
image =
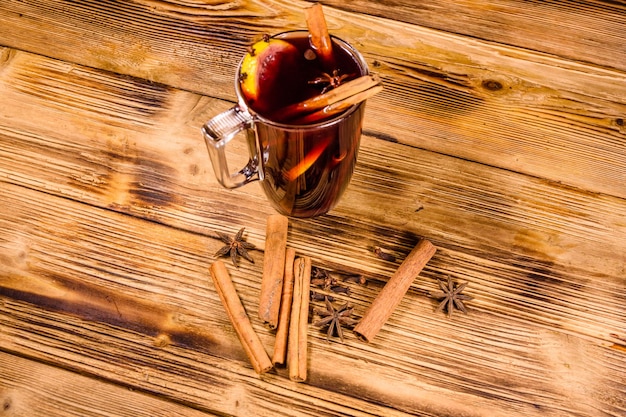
(499, 137)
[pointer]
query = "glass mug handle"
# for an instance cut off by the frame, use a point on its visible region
(217, 133)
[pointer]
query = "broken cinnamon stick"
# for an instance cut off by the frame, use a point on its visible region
(297, 346)
(392, 293)
(320, 38)
(237, 314)
(286, 300)
(342, 92)
(273, 268)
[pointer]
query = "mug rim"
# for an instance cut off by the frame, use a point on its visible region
(286, 126)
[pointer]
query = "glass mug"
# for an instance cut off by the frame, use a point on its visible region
(303, 169)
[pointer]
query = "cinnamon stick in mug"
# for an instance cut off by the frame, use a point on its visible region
(339, 106)
(239, 318)
(284, 316)
(319, 36)
(338, 94)
(273, 268)
(297, 352)
(392, 293)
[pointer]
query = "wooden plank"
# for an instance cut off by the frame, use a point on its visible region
(29, 388)
(117, 152)
(503, 106)
(91, 290)
(531, 249)
(552, 27)
(139, 153)
(106, 205)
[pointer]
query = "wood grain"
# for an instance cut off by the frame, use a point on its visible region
(406, 368)
(552, 27)
(29, 388)
(544, 115)
(530, 248)
(528, 228)
(504, 149)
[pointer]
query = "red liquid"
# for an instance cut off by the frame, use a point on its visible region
(295, 78)
(306, 172)
(307, 168)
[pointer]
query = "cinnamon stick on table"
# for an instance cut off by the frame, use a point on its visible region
(286, 300)
(273, 269)
(297, 349)
(392, 293)
(237, 314)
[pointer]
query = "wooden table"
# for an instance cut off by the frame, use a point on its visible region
(499, 137)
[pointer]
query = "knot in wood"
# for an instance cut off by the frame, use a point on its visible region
(492, 85)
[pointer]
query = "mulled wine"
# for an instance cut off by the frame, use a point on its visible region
(306, 167)
(304, 156)
(285, 69)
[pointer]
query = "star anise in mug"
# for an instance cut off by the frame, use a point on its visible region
(451, 295)
(329, 81)
(235, 246)
(334, 318)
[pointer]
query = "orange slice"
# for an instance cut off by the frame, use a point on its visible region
(264, 68)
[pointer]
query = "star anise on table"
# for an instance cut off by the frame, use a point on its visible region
(235, 246)
(334, 318)
(451, 295)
